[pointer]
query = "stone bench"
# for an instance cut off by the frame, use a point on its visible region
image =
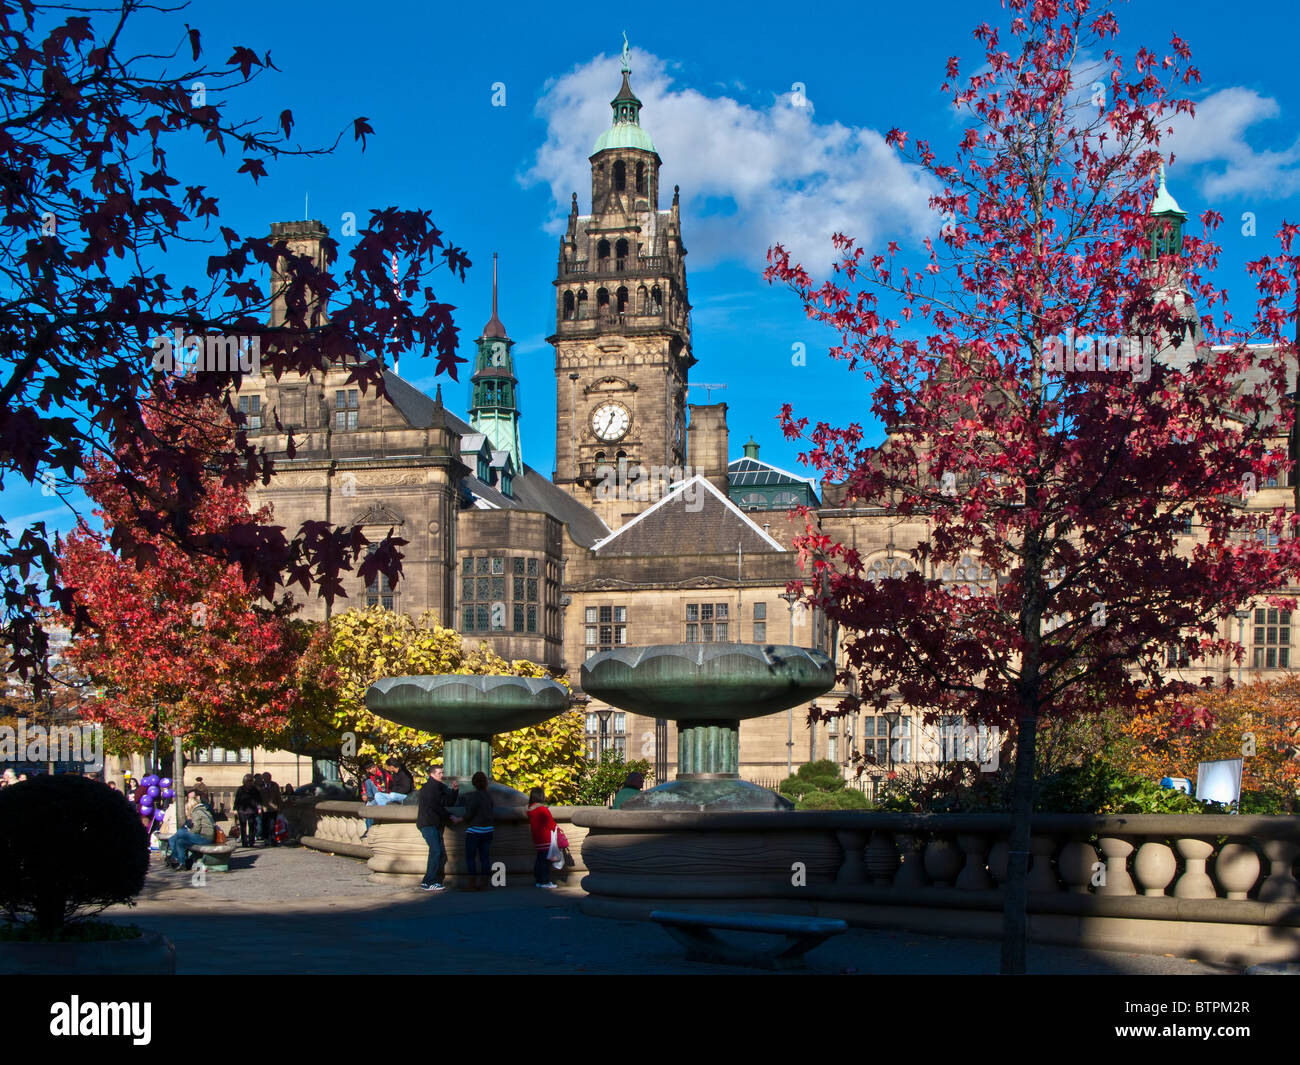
(696, 932)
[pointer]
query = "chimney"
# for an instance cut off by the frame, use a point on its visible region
(303, 238)
(706, 443)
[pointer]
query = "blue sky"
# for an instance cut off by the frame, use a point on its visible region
(716, 80)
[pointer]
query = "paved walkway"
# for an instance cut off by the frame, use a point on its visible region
(294, 910)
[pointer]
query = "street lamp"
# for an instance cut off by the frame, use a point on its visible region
(790, 598)
(601, 742)
(1241, 616)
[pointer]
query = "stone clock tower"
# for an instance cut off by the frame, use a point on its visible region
(622, 339)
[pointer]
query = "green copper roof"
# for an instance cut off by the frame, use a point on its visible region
(625, 135)
(1164, 203)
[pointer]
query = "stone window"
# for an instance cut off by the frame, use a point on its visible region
(347, 408)
(614, 739)
(379, 592)
(620, 176)
(252, 407)
(1272, 638)
(640, 178)
(483, 594)
(222, 755)
(605, 628)
(707, 622)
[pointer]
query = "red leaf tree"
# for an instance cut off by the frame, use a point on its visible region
(180, 643)
(92, 208)
(1052, 478)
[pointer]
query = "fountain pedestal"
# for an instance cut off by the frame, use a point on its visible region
(708, 689)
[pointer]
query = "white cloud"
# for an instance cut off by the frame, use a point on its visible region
(1216, 139)
(750, 176)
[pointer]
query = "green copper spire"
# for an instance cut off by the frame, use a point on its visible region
(494, 389)
(1167, 220)
(626, 132)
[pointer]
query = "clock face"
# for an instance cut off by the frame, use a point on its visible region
(610, 421)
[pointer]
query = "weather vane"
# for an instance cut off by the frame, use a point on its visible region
(627, 69)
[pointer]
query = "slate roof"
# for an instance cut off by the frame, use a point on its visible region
(693, 517)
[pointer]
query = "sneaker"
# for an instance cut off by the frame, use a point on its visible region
(438, 887)
(426, 887)
(548, 887)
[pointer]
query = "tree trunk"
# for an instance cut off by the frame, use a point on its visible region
(1015, 917)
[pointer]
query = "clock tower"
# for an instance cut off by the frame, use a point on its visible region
(622, 339)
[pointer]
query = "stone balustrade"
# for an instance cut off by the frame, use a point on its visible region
(1213, 887)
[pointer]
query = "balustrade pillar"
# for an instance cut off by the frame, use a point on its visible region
(1076, 863)
(911, 874)
(1237, 868)
(852, 869)
(973, 877)
(1117, 881)
(882, 858)
(1281, 884)
(942, 861)
(1195, 883)
(1154, 866)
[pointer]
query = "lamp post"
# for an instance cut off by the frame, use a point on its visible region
(1241, 616)
(602, 740)
(790, 598)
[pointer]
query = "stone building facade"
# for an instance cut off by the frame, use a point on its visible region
(646, 531)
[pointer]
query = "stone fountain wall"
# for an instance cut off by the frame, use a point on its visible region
(394, 849)
(1212, 887)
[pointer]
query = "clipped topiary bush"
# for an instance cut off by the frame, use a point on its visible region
(69, 848)
(843, 799)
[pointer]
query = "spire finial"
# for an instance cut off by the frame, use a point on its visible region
(494, 328)
(627, 57)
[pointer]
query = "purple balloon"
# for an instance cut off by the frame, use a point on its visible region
(168, 793)
(165, 782)
(158, 815)
(154, 791)
(152, 778)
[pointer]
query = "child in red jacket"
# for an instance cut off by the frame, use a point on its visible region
(542, 824)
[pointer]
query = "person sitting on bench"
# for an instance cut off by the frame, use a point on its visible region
(201, 830)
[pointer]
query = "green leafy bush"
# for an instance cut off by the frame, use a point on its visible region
(842, 799)
(599, 780)
(69, 847)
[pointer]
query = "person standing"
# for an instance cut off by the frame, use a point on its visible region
(431, 819)
(248, 810)
(269, 799)
(478, 831)
(544, 831)
(199, 829)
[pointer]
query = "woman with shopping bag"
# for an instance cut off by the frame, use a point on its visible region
(545, 839)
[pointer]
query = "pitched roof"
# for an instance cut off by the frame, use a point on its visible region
(694, 513)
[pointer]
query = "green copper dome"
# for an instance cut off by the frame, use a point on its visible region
(625, 135)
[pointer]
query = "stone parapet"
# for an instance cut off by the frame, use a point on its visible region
(1215, 887)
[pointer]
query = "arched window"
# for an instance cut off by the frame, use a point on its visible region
(656, 301)
(621, 458)
(622, 299)
(602, 302)
(640, 178)
(620, 255)
(620, 176)
(600, 458)
(582, 304)
(602, 255)
(570, 307)
(642, 300)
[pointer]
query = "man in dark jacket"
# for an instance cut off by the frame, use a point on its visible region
(400, 785)
(269, 798)
(248, 809)
(431, 818)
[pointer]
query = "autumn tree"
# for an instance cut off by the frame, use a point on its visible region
(179, 644)
(1055, 412)
(358, 647)
(1258, 723)
(91, 209)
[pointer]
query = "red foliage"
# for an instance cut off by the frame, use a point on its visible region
(174, 631)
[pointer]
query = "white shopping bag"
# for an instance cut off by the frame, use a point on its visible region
(555, 856)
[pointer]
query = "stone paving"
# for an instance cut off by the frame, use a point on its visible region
(293, 910)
